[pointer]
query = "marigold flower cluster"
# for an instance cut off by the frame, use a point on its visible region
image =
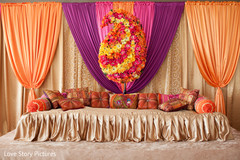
(122, 54)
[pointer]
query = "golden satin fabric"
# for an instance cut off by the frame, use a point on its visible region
(101, 125)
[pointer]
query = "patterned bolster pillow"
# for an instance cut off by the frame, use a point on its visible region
(204, 105)
(42, 104)
(70, 103)
(118, 101)
(147, 101)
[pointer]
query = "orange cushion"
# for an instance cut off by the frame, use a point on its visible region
(54, 96)
(204, 105)
(70, 103)
(173, 105)
(36, 105)
(99, 99)
(118, 101)
(147, 101)
(81, 93)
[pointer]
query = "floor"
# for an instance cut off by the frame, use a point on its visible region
(10, 149)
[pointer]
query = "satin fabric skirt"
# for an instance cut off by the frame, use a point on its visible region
(102, 125)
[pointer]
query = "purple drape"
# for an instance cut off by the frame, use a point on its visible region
(81, 18)
(166, 20)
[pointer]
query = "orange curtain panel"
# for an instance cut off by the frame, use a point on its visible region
(31, 33)
(127, 6)
(215, 33)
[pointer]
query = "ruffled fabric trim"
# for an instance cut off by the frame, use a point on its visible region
(102, 125)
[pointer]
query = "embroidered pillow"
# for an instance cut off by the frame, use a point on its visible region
(204, 105)
(81, 93)
(189, 96)
(147, 101)
(173, 105)
(70, 103)
(54, 96)
(99, 99)
(123, 101)
(41, 104)
(166, 97)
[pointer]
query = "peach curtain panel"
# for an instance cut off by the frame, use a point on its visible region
(214, 29)
(31, 34)
(127, 6)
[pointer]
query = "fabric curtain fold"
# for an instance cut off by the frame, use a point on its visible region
(166, 20)
(31, 33)
(214, 29)
(102, 8)
(82, 21)
(127, 6)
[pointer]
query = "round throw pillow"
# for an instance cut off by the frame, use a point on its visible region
(42, 104)
(204, 105)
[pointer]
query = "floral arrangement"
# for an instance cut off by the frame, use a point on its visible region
(122, 55)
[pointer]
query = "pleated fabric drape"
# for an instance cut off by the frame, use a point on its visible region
(31, 34)
(127, 6)
(102, 8)
(214, 28)
(81, 18)
(166, 20)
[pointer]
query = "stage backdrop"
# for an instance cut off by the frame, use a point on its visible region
(69, 71)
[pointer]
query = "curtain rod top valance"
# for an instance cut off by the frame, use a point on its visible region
(27, 3)
(212, 3)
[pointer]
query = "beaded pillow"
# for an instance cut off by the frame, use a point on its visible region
(54, 96)
(173, 105)
(41, 104)
(204, 105)
(166, 97)
(81, 93)
(70, 103)
(147, 101)
(189, 96)
(118, 101)
(99, 99)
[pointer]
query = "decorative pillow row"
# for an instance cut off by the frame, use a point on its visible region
(78, 98)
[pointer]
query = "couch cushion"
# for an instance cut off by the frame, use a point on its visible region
(99, 99)
(189, 96)
(147, 101)
(204, 105)
(70, 103)
(123, 101)
(166, 97)
(81, 93)
(173, 105)
(54, 96)
(41, 104)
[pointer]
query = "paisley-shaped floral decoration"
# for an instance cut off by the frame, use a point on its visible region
(122, 55)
